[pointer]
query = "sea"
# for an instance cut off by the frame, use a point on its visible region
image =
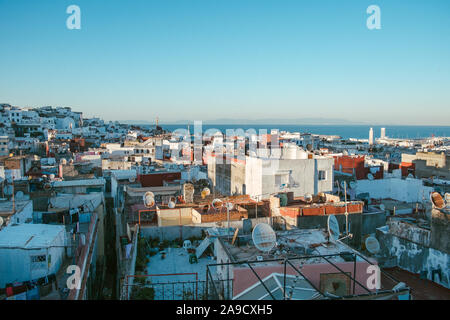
(344, 131)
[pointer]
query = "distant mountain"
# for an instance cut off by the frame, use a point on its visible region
(305, 121)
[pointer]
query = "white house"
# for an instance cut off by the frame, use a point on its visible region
(30, 251)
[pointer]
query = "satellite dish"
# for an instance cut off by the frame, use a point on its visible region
(217, 203)
(437, 200)
(149, 200)
(205, 192)
(352, 184)
(264, 237)
(172, 204)
(370, 177)
(410, 176)
(333, 228)
(1, 221)
(308, 198)
(382, 207)
(132, 179)
(345, 153)
(19, 195)
(372, 245)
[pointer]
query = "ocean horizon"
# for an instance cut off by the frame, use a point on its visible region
(344, 131)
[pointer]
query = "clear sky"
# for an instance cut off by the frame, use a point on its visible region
(209, 59)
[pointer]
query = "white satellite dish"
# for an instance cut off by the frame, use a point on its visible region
(132, 179)
(149, 199)
(370, 177)
(352, 184)
(19, 195)
(1, 221)
(264, 237)
(410, 176)
(217, 203)
(308, 198)
(372, 245)
(382, 207)
(333, 228)
(172, 204)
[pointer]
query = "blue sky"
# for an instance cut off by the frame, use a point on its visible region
(209, 59)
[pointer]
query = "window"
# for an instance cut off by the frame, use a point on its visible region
(322, 175)
(40, 258)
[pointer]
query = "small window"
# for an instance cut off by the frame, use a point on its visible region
(322, 175)
(40, 258)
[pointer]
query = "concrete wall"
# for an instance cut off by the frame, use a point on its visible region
(416, 258)
(174, 217)
(440, 231)
(187, 231)
(407, 190)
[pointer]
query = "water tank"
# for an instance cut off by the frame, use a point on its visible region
(290, 152)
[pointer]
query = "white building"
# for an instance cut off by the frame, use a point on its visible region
(265, 176)
(371, 136)
(30, 251)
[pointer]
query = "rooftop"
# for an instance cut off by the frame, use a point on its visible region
(29, 236)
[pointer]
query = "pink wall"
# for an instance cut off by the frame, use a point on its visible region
(244, 277)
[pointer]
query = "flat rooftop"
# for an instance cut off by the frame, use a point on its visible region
(29, 236)
(170, 269)
(290, 244)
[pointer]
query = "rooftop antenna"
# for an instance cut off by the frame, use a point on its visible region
(264, 237)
